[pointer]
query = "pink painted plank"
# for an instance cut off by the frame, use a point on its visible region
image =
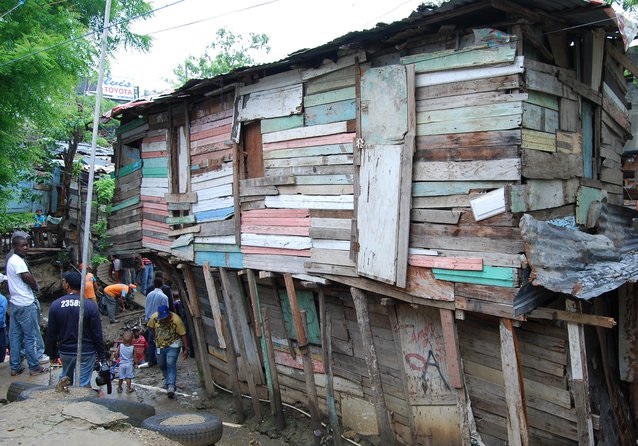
(285, 359)
(275, 251)
(151, 199)
(275, 221)
(157, 154)
(156, 138)
(309, 142)
(150, 224)
(277, 213)
(210, 140)
(275, 230)
(207, 133)
(156, 241)
(461, 263)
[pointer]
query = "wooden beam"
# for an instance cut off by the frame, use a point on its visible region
(233, 371)
(452, 355)
(213, 298)
(567, 316)
(326, 341)
(302, 343)
(579, 377)
(621, 58)
(234, 310)
(276, 404)
(372, 363)
(200, 339)
(517, 430)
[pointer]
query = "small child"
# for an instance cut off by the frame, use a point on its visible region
(125, 355)
(139, 344)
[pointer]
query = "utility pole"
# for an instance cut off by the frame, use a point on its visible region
(89, 188)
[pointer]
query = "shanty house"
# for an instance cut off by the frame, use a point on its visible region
(415, 230)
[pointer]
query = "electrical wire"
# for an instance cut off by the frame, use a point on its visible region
(20, 3)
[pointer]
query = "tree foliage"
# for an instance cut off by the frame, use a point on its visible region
(45, 49)
(226, 52)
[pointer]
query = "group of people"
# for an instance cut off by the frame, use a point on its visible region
(166, 330)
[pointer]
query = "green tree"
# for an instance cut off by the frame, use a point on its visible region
(227, 52)
(46, 48)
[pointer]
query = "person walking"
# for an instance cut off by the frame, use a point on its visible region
(90, 284)
(125, 354)
(24, 307)
(154, 300)
(3, 319)
(62, 332)
(170, 336)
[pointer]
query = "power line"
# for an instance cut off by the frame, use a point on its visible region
(73, 39)
(20, 3)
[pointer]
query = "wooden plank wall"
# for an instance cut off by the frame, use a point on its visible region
(308, 165)
(125, 221)
(468, 116)
(544, 357)
(153, 190)
(212, 181)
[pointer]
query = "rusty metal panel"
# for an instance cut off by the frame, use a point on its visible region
(578, 263)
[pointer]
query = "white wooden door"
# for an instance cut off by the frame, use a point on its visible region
(385, 174)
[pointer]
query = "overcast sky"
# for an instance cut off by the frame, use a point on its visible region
(291, 25)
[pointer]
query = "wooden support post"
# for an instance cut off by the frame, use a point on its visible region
(372, 362)
(275, 399)
(326, 341)
(213, 298)
(275, 290)
(302, 342)
(517, 431)
(580, 379)
(394, 324)
(200, 339)
(254, 300)
(233, 305)
(233, 372)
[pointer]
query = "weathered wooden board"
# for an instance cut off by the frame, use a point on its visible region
(282, 123)
(435, 216)
(340, 138)
(440, 188)
(279, 80)
(341, 78)
(223, 259)
(469, 74)
(328, 113)
(503, 170)
(214, 214)
(542, 165)
(489, 275)
(310, 201)
(537, 140)
(329, 149)
(476, 140)
(468, 100)
(307, 132)
(283, 264)
(331, 256)
(276, 241)
(273, 103)
(331, 66)
(462, 263)
(341, 94)
(317, 189)
(540, 118)
(324, 179)
(462, 88)
(463, 58)
(542, 194)
(323, 160)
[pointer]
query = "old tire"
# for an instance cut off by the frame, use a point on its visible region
(16, 388)
(136, 412)
(206, 432)
(33, 391)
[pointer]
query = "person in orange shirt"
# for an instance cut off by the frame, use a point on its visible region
(90, 285)
(116, 294)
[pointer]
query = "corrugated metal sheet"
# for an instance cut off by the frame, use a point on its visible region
(584, 265)
(570, 13)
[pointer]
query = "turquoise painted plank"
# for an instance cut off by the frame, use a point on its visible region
(323, 179)
(156, 162)
(542, 99)
(335, 112)
(155, 172)
(129, 168)
(585, 197)
(125, 204)
(130, 126)
(465, 58)
(330, 149)
(306, 301)
(491, 275)
(214, 215)
(225, 259)
(442, 188)
(329, 97)
(186, 219)
(473, 112)
(282, 123)
(217, 247)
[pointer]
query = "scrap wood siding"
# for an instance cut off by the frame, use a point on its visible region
(382, 190)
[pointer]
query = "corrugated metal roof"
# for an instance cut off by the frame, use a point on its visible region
(584, 265)
(569, 13)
